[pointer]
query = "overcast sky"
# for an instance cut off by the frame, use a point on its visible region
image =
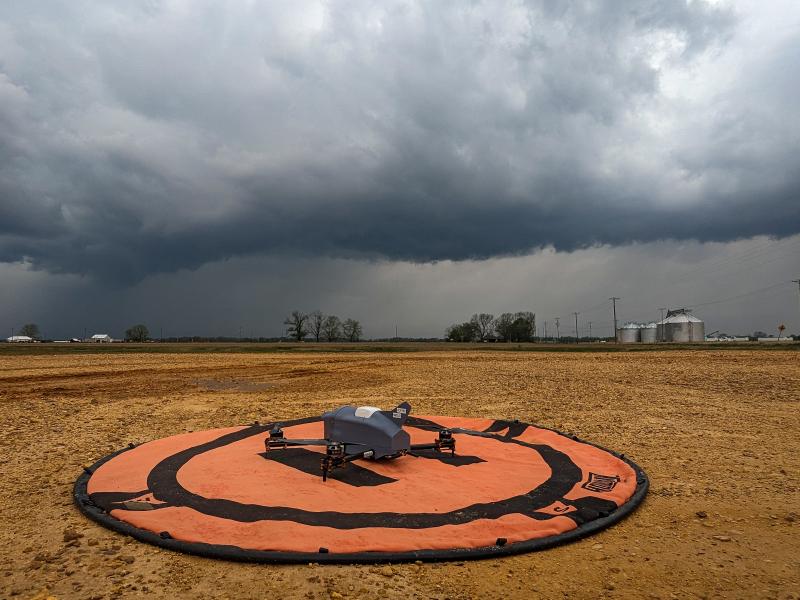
(203, 166)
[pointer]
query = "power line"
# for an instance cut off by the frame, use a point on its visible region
(728, 299)
(686, 276)
(747, 264)
(591, 308)
(749, 254)
(758, 291)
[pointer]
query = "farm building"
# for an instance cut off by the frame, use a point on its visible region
(678, 326)
(681, 326)
(101, 338)
(629, 333)
(19, 339)
(648, 333)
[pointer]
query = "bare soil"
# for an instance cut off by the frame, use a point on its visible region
(717, 431)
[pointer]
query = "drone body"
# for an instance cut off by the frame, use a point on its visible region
(380, 431)
(372, 432)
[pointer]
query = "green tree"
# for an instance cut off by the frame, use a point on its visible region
(30, 329)
(462, 332)
(137, 333)
(297, 325)
(516, 327)
(524, 327)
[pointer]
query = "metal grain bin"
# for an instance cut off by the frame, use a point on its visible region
(682, 327)
(648, 333)
(628, 333)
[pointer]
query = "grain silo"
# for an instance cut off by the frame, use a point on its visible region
(628, 333)
(681, 326)
(648, 333)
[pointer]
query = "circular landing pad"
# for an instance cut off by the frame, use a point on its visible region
(511, 487)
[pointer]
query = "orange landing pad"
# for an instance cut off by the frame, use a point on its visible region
(511, 487)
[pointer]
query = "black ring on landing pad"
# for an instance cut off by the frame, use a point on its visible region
(89, 508)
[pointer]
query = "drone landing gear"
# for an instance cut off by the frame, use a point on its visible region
(336, 457)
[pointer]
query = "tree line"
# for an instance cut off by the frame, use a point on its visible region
(327, 328)
(482, 327)
(323, 328)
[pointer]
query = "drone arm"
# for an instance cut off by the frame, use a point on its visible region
(444, 441)
(431, 446)
(281, 442)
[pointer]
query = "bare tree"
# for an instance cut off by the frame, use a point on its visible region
(332, 328)
(316, 319)
(484, 325)
(297, 325)
(352, 330)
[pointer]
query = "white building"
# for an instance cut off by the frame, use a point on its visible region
(19, 339)
(102, 338)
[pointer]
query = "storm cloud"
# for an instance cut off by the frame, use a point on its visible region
(167, 135)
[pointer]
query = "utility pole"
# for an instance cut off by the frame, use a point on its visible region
(558, 332)
(396, 337)
(240, 333)
(590, 331)
(663, 336)
(797, 281)
(577, 335)
(614, 304)
(545, 331)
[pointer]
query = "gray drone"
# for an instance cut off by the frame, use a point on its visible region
(373, 432)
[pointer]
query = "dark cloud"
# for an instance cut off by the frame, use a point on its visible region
(256, 293)
(143, 140)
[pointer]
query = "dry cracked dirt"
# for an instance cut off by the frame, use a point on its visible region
(717, 431)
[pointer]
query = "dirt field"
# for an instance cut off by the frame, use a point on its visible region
(717, 431)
